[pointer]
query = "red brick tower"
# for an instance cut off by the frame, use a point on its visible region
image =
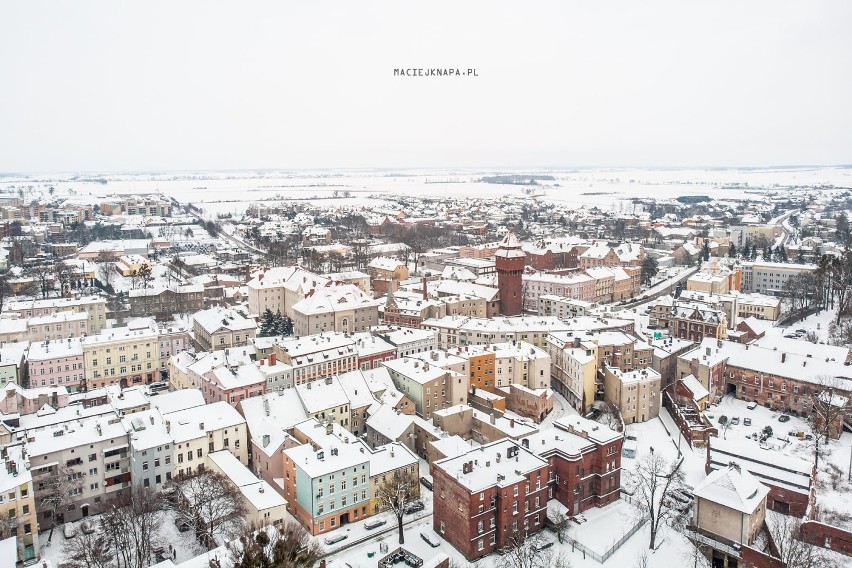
(510, 268)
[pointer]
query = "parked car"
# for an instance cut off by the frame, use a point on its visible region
(69, 530)
(414, 507)
(783, 418)
(752, 405)
(426, 483)
(374, 523)
(88, 527)
(735, 421)
(335, 538)
(747, 421)
(430, 540)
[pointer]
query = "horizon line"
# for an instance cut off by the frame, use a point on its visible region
(409, 168)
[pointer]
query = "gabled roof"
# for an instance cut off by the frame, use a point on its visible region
(734, 488)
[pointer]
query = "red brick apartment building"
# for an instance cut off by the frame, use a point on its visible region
(770, 375)
(489, 496)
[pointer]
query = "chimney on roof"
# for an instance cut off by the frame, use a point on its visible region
(425, 292)
(783, 357)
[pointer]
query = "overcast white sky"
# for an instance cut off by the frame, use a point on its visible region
(115, 86)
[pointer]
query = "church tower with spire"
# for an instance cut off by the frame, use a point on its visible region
(510, 260)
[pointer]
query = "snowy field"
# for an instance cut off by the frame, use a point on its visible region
(608, 189)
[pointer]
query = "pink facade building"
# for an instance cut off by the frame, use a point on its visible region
(232, 383)
(17, 399)
(56, 363)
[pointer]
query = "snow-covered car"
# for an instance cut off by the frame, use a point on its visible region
(735, 421)
(752, 405)
(783, 418)
(88, 527)
(335, 538)
(69, 530)
(430, 539)
(414, 507)
(374, 523)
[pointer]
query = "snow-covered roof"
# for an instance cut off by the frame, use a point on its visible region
(490, 465)
(733, 487)
(388, 422)
(772, 468)
(385, 263)
(214, 319)
(414, 369)
(334, 299)
(196, 422)
(368, 344)
(510, 247)
(272, 414)
(320, 395)
(695, 387)
(180, 399)
(356, 388)
(773, 361)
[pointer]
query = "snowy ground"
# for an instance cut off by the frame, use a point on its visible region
(183, 543)
(838, 453)
(602, 528)
(560, 408)
(817, 323)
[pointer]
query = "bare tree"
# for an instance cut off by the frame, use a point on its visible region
(209, 503)
(725, 425)
(145, 275)
(786, 534)
(399, 493)
(288, 546)
(559, 521)
(610, 416)
(65, 276)
(88, 550)
(827, 407)
(8, 526)
(106, 267)
(694, 556)
(132, 523)
(60, 489)
(43, 274)
(530, 552)
(654, 480)
(4, 291)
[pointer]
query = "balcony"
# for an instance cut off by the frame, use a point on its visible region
(715, 542)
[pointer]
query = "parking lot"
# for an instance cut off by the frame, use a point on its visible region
(748, 421)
